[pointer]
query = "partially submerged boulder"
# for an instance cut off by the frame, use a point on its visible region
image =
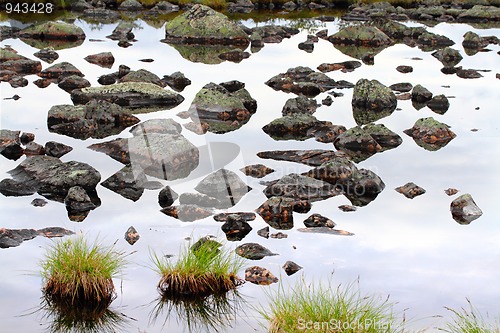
(314, 157)
(430, 134)
(51, 30)
(103, 59)
(235, 227)
(10, 60)
(365, 35)
(300, 187)
(127, 182)
(253, 251)
(134, 95)
(372, 101)
(203, 25)
(10, 144)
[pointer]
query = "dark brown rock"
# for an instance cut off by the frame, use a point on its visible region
(56, 149)
(59, 71)
(264, 232)
(318, 220)
(253, 251)
(10, 144)
(410, 190)
(235, 227)
(127, 182)
(257, 170)
(404, 69)
(307, 157)
(291, 268)
(166, 197)
(260, 276)
(451, 191)
(430, 134)
(103, 59)
(131, 235)
(278, 212)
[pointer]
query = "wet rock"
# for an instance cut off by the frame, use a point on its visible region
(177, 81)
(47, 54)
(103, 59)
(272, 33)
(328, 101)
(304, 81)
(131, 235)
(53, 178)
(256, 170)
(166, 197)
(127, 182)
(18, 81)
(132, 95)
(33, 148)
(260, 276)
(56, 149)
(365, 35)
(345, 66)
(187, 213)
(141, 75)
(347, 208)
(410, 190)
(439, 104)
(464, 210)
(202, 25)
(164, 156)
(59, 71)
(468, 74)
(449, 57)
(357, 143)
(14, 237)
(253, 251)
(264, 232)
(293, 127)
(299, 104)
(372, 101)
(10, 144)
(402, 87)
(39, 202)
(300, 188)
(318, 220)
(222, 110)
(164, 7)
(96, 119)
(208, 243)
(278, 212)
(314, 157)
(291, 268)
(225, 186)
(235, 228)
(77, 200)
(386, 138)
(308, 45)
(72, 82)
(480, 13)
(131, 6)
(430, 41)
(473, 43)
(404, 69)
(396, 30)
(16, 63)
(430, 134)
(245, 216)
(451, 191)
(420, 94)
(326, 230)
(53, 30)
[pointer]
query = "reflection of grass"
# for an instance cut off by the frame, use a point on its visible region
(199, 272)
(205, 314)
(470, 321)
(79, 274)
(82, 319)
(317, 308)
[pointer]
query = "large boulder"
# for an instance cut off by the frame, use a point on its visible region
(203, 25)
(51, 30)
(52, 178)
(372, 101)
(223, 107)
(480, 13)
(134, 95)
(10, 60)
(365, 35)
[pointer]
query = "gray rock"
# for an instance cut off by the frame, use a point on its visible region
(56, 149)
(464, 210)
(300, 187)
(420, 94)
(224, 185)
(127, 182)
(187, 213)
(299, 104)
(77, 200)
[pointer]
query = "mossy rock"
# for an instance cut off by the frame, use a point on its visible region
(360, 35)
(203, 25)
(54, 31)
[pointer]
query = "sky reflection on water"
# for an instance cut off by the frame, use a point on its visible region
(410, 249)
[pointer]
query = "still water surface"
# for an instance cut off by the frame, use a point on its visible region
(411, 250)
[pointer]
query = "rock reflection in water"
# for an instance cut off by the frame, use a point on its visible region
(205, 314)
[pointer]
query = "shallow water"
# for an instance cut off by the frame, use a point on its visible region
(411, 250)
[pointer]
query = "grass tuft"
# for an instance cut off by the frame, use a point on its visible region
(471, 321)
(199, 272)
(317, 308)
(80, 274)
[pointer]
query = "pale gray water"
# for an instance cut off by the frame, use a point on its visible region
(410, 249)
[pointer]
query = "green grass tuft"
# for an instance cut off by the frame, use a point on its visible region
(317, 308)
(77, 273)
(198, 272)
(471, 321)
